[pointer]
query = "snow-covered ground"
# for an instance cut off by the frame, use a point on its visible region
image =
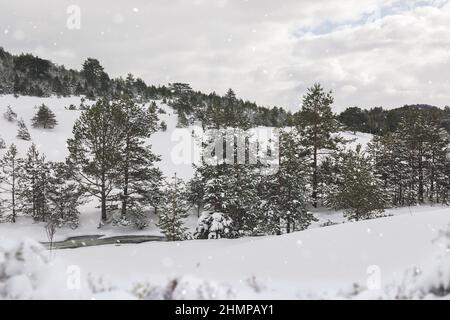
(320, 262)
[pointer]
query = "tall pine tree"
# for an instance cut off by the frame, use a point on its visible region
(95, 150)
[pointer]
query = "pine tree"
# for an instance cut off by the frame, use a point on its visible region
(138, 177)
(412, 161)
(174, 210)
(286, 193)
(64, 196)
(317, 124)
(10, 115)
(2, 143)
(231, 187)
(22, 132)
(196, 192)
(44, 118)
(95, 150)
(33, 185)
(358, 191)
(9, 174)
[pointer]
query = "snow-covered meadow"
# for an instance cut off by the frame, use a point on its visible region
(320, 262)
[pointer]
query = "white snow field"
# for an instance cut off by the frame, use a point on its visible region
(318, 263)
(322, 262)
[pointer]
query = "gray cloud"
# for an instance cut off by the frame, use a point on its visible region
(370, 52)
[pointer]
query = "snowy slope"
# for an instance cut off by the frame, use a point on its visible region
(53, 142)
(319, 259)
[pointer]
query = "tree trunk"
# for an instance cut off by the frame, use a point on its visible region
(13, 193)
(314, 193)
(421, 191)
(103, 197)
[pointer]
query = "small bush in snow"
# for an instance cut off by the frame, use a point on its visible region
(2, 144)
(213, 225)
(22, 131)
(10, 115)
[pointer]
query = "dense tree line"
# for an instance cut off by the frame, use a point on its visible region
(26, 74)
(380, 121)
(43, 190)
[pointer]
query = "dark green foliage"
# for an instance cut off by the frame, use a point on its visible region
(9, 166)
(357, 190)
(380, 121)
(174, 210)
(286, 193)
(317, 124)
(354, 119)
(95, 150)
(33, 185)
(22, 131)
(64, 196)
(44, 118)
(413, 161)
(137, 177)
(10, 115)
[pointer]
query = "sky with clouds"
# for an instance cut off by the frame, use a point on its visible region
(369, 52)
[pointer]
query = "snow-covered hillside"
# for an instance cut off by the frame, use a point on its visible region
(53, 142)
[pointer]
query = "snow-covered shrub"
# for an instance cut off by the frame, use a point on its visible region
(183, 288)
(213, 225)
(26, 272)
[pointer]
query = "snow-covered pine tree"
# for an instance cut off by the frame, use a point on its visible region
(10, 115)
(286, 194)
(138, 178)
(213, 225)
(317, 124)
(231, 187)
(64, 196)
(195, 189)
(22, 131)
(8, 183)
(358, 190)
(174, 210)
(44, 118)
(95, 150)
(2, 143)
(437, 159)
(33, 185)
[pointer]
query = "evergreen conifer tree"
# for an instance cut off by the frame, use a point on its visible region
(9, 165)
(33, 185)
(10, 115)
(358, 191)
(44, 118)
(95, 150)
(138, 177)
(64, 196)
(317, 125)
(22, 131)
(174, 210)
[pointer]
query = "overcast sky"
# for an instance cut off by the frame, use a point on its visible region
(369, 52)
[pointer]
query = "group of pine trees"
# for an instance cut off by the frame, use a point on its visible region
(413, 161)
(409, 166)
(110, 159)
(38, 188)
(44, 118)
